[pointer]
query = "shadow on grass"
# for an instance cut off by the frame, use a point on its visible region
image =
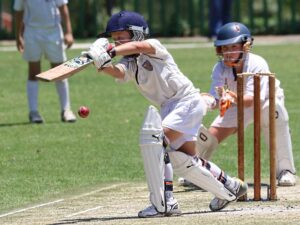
(28, 123)
(14, 124)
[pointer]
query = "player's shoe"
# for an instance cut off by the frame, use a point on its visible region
(172, 210)
(68, 116)
(35, 117)
(286, 178)
(217, 204)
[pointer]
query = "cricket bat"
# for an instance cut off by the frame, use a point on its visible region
(66, 69)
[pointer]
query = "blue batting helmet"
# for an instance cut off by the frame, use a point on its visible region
(130, 21)
(233, 33)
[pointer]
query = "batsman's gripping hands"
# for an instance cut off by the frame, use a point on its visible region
(227, 98)
(99, 52)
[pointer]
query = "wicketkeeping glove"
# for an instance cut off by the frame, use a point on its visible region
(227, 98)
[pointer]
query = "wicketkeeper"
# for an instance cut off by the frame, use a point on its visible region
(169, 135)
(233, 45)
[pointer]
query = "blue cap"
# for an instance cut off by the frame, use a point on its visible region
(125, 20)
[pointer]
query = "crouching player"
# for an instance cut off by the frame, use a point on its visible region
(233, 45)
(150, 66)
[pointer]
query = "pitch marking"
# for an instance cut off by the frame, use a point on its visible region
(33, 207)
(60, 200)
(84, 211)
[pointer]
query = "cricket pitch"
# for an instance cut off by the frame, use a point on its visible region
(119, 204)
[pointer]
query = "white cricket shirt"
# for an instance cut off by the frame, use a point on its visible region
(157, 76)
(222, 75)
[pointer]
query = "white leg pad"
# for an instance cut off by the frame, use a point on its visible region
(153, 156)
(189, 168)
(206, 143)
(284, 152)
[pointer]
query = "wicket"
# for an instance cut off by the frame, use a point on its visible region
(271, 192)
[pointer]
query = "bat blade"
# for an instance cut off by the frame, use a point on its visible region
(66, 69)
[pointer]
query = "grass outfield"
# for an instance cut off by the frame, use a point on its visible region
(39, 162)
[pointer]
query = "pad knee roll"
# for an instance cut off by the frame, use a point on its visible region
(206, 143)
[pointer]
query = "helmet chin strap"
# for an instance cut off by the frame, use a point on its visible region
(234, 73)
(236, 62)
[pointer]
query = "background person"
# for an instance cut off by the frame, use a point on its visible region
(219, 14)
(39, 32)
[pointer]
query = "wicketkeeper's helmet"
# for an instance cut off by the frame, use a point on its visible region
(233, 33)
(130, 21)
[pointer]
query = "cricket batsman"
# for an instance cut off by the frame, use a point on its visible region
(167, 137)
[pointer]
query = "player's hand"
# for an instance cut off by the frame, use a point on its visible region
(68, 40)
(20, 44)
(224, 104)
(210, 101)
(99, 55)
(226, 101)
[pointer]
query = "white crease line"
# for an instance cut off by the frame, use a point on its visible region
(33, 207)
(60, 200)
(81, 212)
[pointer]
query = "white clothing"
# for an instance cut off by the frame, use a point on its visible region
(184, 116)
(32, 89)
(223, 75)
(43, 34)
(48, 42)
(157, 76)
(40, 13)
(159, 79)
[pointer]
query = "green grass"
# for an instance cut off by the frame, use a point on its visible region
(39, 162)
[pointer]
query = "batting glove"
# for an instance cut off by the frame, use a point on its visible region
(99, 55)
(103, 42)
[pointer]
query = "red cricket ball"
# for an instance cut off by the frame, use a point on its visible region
(83, 111)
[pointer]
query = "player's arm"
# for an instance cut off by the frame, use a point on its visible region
(114, 71)
(19, 30)
(67, 27)
(134, 47)
(101, 51)
(130, 48)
